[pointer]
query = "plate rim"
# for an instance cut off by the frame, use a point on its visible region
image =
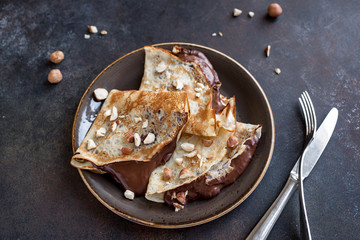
(194, 223)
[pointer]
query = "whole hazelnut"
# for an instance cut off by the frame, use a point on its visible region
(56, 57)
(54, 76)
(274, 10)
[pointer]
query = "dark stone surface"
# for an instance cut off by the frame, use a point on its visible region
(314, 43)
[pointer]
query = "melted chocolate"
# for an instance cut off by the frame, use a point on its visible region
(134, 175)
(209, 71)
(202, 189)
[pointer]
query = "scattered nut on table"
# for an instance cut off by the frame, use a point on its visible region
(277, 70)
(55, 76)
(267, 50)
(237, 12)
(274, 10)
(251, 14)
(56, 57)
(129, 194)
(103, 32)
(92, 29)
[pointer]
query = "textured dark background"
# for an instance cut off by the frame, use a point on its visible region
(314, 43)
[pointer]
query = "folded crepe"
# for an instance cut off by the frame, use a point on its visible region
(164, 71)
(213, 170)
(203, 154)
(132, 126)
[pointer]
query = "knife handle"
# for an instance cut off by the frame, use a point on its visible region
(264, 226)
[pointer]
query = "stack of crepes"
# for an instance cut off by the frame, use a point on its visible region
(174, 140)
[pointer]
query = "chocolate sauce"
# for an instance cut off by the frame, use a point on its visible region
(208, 70)
(202, 189)
(134, 175)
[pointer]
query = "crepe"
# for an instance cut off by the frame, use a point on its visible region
(163, 71)
(218, 167)
(154, 118)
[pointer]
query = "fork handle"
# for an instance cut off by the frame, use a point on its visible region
(266, 223)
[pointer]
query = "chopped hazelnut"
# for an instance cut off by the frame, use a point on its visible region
(107, 113)
(191, 154)
(251, 14)
(92, 29)
(188, 147)
(237, 12)
(267, 50)
(233, 141)
(56, 57)
(126, 150)
(185, 173)
(277, 71)
(145, 124)
(100, 94)
(179, 161)
(161, 67)
(150, 138)
(129, 194)
(103, 32)
(180, 196)
(137, 119)
(207, 142)
(178, 207)
(114, 114)
(55, 76)
(86, 36)
(137, 139)
(129, 137)
(90, 144)
(113, 126)
(100, 132)
(167, 174)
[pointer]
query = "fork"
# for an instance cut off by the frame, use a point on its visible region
(310, 124)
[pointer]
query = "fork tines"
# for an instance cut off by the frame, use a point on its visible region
(309, 112)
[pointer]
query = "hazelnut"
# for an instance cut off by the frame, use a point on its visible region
(188, 147)
(161, 67)
(86, 36)
(185, 173)
(179, 161)
(100, 132)
(207, 142)
(107, 113)
(237, 12)
(277, 71)
(137, 139)
(167, 174)
(150, 138)
(129, 137)
(178, 207)
(233, 141)
(54, 76)
(103, 32)
(191, 154)
(56, 57)
(100, 94)
(113, 126)
(129, 194)
(180, 196)
(251, 14)
(114, 114)
(274, 10)
(126, 150)
(92, 29)
(145, 124)
(90, 144)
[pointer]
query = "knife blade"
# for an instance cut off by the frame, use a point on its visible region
(316, 148)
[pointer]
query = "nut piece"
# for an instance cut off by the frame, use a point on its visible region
(207, 142)
(129, 194)
(56, 57)
(92, 29)
(137, 139)
(179, 85)
(90, 144)
(86, 36)
(176, 50)
(180, 196)
(107, 113)
(100, 132)
(251, 14)
(197, 95)
(54, 76)
(100, 94)
(191, 154)
(188, 147)
(145, 124)
(237, 12)
(277, 70)
(185, 173)
(274, 10)
(167, 174)
(233, 141)
(103, 32)
(267, 50)
(150, 138)
(126, 150)
(161, 67)
(113, 126)
(221, 34)
(130, 137)
(214, 34)
(114, 114)
(179, 161)
(178, 207)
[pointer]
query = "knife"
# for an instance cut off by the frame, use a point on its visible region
(316, 147)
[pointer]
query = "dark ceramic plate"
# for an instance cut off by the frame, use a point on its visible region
(252, 107)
